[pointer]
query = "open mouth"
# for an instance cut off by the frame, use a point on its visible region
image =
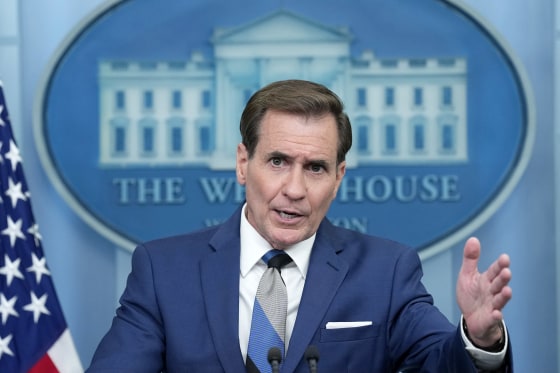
(288, 215)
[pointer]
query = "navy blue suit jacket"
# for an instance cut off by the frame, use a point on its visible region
(179, 311)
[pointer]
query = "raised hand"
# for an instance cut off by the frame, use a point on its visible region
(482, 296)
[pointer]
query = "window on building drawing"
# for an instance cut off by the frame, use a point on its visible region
(418, 96)
(364, 131)
(361, 97)
(389, 97)
(447, 133)
(418, 135)
(446, 96)
(147, 139)
(176, 100)
(205, 140)
(447, 137)
(148, 100)
(390, 134)
(206, 99)
(175, 131)
(120, 140)
(119, 133)
(390, 138)
(120, 100)
(363, 135)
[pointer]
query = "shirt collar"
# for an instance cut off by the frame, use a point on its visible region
(254, 246)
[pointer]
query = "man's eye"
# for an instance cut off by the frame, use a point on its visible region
(276, 161)
(316, 168)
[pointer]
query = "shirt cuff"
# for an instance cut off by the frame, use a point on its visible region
(483, 359)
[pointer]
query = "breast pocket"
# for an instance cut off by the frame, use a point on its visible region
(356, 350)
(349, 334)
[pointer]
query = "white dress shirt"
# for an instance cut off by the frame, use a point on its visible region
(254, 246)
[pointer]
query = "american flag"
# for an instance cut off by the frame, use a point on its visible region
(34, 336)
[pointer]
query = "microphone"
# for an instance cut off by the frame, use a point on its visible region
(312, 357)
(274, 359)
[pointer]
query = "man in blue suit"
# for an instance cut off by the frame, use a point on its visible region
(358, 299)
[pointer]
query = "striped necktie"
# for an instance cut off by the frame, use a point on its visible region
(268, 325)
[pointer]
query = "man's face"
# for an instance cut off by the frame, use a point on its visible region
(292, 177)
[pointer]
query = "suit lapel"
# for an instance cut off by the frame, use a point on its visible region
(325, 274)
(220, 287)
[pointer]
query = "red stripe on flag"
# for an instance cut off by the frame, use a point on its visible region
(45, 365)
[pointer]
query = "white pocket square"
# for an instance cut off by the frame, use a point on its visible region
(347, 324)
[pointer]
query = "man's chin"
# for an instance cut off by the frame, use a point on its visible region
(283, 240)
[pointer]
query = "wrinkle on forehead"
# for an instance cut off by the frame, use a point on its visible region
(313, 138)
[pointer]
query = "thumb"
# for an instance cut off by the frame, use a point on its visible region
(471, 254)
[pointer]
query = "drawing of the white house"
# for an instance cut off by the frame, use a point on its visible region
(175, 113)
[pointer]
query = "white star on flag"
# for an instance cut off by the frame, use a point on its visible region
(4, 346)
(11, 269)
(39, 267)
(7, 308)
(1, 110)
(34, 231)
(14, 192)
(13, 230)
(37, 306)
(13, 155)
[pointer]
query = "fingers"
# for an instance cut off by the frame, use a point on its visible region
(500, 299)
(498, 266)
(499, 276)
(498, 280)
(499, 288)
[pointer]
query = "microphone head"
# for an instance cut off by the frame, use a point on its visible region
(312, 352)
(274, 354)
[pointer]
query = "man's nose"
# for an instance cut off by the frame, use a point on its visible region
(295, 185)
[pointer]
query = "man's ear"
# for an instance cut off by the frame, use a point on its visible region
(241, 163)
(340, 172)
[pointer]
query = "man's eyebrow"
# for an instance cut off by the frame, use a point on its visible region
(278, 154)
(319, 162)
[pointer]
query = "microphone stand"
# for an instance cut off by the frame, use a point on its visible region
(312, 357)
(274, 359)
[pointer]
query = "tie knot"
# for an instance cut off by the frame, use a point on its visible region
(276, 259)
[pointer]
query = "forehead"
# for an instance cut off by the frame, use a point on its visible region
(280, 131)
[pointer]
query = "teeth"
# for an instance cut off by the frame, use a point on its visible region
(285, 215)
